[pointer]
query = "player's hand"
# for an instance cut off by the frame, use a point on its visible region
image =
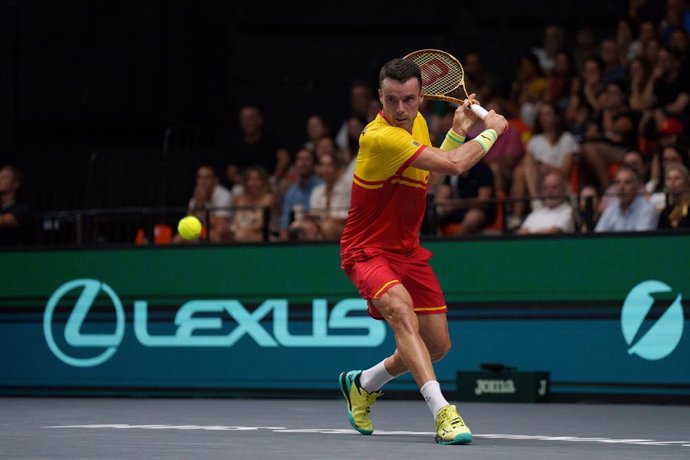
(464, 118)
(496, 122)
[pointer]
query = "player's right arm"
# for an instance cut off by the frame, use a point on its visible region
(462, 158)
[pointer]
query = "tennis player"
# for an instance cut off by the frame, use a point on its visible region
(380, 249)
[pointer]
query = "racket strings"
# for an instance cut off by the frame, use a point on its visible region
(441, 74)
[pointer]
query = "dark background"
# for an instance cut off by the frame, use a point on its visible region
(80, 76)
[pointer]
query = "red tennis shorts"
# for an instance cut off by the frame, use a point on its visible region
(375, 275)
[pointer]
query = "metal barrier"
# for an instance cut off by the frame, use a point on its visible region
(157, 225)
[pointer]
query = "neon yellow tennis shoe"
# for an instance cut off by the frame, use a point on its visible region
(451, 428)
(359, 401)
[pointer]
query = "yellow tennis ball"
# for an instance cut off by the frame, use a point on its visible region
(189, 227)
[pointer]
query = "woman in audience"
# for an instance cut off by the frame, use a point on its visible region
(330, 201)
(672, 154)
(675, 214)
(249, 219)
(638, 74)
(316, 129)
(551, 148)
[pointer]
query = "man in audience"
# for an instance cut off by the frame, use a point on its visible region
(255, 146)
(297, 197)
(632, 212)
(15, 217)
(633, 160)
(556, 214)
(476, 187)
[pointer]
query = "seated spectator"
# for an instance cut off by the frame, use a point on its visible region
(670, 154)
(610, 135)
(675, 214)
(212, 204)
(667, 91)
(15, 217)
(298, 195)
(613, 69)
(527, 90)
(255, 146)
(588, 208)
(551, 149)
(585, 45)
(476, 186)
(562, 80)
(650, 51)
(638, 74)
(355, 126)
(316, 129)
(553, 39)
(586, 89)
(633, 160)
(627, 46)
(360, 103)
(556, 214)
(477, 77)
(632, 212)
(328, 145)
(330, 200)
(248, 221)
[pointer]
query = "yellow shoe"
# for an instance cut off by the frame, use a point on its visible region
(451, 428)
(359, 402)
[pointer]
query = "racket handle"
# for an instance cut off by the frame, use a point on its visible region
(479, 111)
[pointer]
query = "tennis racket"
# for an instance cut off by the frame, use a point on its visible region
(443, 78)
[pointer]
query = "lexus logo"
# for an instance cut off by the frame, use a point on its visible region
(652, 327)
(74, 337)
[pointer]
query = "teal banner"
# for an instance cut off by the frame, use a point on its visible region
(602, 314)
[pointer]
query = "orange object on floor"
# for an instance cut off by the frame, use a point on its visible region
(162, 234)
(451, 229)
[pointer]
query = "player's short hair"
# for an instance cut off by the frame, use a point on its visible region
(400, 70)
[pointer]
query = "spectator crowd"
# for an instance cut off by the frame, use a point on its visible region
(598, 142)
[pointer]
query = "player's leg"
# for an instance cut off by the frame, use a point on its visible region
(434, 332)
(360, 388)
(373, 278)
(396, 308)
(430, 306)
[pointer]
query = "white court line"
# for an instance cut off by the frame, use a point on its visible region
(281, 429)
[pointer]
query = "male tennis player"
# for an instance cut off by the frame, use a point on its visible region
(380, 249)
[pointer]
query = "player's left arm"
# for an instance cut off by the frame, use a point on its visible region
(465, 155)
(463, 120)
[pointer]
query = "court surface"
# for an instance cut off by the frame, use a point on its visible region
(193, 428)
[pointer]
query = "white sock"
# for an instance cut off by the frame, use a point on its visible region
(375, 377)
(431, 391)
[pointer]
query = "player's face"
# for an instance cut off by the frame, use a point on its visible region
(400, 102)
